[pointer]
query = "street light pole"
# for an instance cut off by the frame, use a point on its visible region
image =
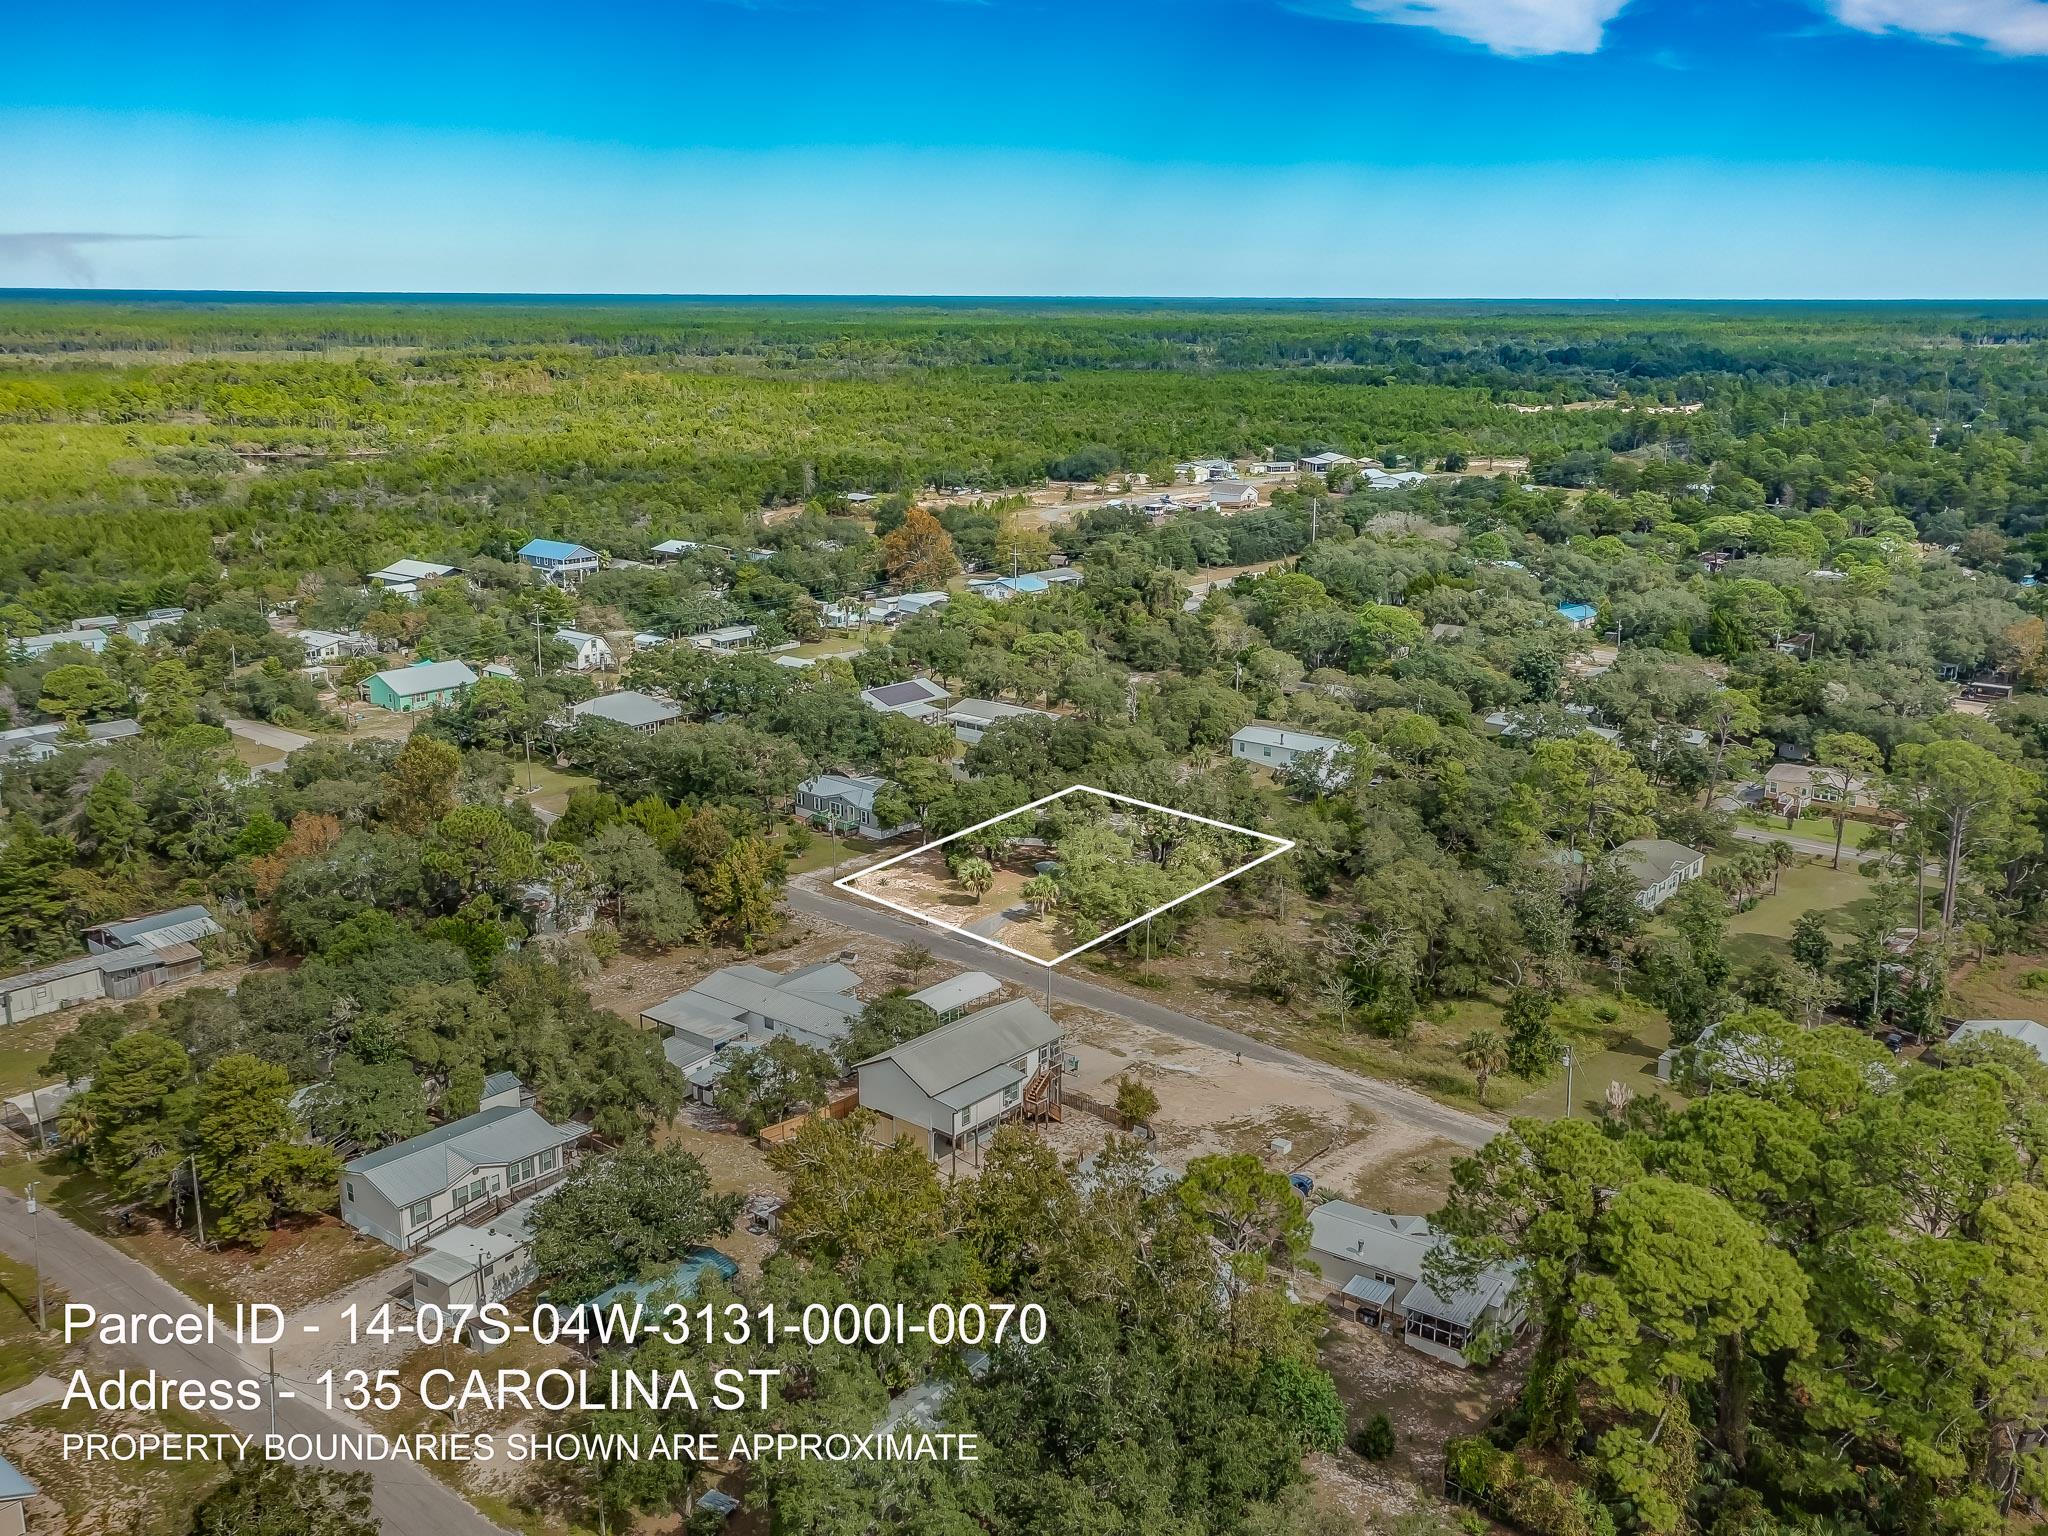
(35, 1236)
(1567, 1082)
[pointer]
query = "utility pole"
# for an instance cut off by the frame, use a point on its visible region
(273, 1393)
(198, 1210)
(1567, 1082)
(1315, 508)
(35, 1242)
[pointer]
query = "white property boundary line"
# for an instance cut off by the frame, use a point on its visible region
(848, 883)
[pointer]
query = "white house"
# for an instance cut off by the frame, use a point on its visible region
(557, 562)
(593, 652)
(404, 576)
(325, 645)
(1201, 471)
(673, 549)
(1323, 463)
(29, 647)
(917, 697)
(402, 1195)
(628, 707)
(1233, 496)
(1802, 785)
(119, 972)
(1373, 1262)
(1273, 467)
(727, 637)
(846, 800)
(468, 1266)
(1276, 747)
(948, 1086)
(1578, 615)
(1658, 867)
(972, 719)
(40, 743)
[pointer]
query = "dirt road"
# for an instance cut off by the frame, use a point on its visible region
(813, 896)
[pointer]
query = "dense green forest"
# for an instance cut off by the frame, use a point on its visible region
(1658, 557)
(145, 442)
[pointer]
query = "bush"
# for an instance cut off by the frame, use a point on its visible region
(1375, 1441)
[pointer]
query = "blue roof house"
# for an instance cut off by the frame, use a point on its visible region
(1578, 615)
(558, 563)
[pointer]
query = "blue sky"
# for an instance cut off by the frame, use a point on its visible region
(1598, 148)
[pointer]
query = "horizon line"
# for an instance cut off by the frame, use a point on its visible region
(431, 295)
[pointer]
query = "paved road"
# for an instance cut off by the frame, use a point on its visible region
(1819, 847)
(275, 737)
(813, 896)
(407, 1499)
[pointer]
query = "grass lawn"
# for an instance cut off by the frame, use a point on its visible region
(831, 645)
(255, 754)
(296, 1266)
(828, 849)
(1994, 989)
(551, 786)
(1855, 834)
(26, 1351)
(1808, 885)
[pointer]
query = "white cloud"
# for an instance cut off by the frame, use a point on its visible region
(1519, 27)
(2006, 26)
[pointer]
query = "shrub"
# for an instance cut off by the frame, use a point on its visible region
(1375, 1440)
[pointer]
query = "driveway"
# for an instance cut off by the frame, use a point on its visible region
(813, 896)
(407, 1500)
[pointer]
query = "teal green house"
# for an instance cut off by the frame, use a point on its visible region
(423, 685)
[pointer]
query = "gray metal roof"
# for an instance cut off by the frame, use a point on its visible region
(986, 712)
(160, 930)
(427, 1165)
(1650, 861)
(1278, 736)
(817, 999)
(856, 789)
(957, 991)
(954, 1055)
(1368, 1290)
(628, 707)
(502, 1082)
(1399, 1245)
(427, 677)
(2026, 1031)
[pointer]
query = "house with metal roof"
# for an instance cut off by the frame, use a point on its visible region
(972, 719)
(948, 1088)
(32, 1113)
(846, 801)
(40, 743)
(743, 1006)
(630, 708)
(154, 930)
(557, 562)
(2027, 1032)
(672, 549)
(950, 998)
(468, 1266)
(1658, 867)
(410, 572)
(1373, 1262)
(15, 1492)
(593, 652)
(1002, 588)
(1323, 463)
(119, 973)
(1578, 615)
(459, 1172)
(1232, 495)
(423, 685)
(916, 697)
(30, 647)
(1276, 747)
(727, 637)
(139, 630)
(325, 645)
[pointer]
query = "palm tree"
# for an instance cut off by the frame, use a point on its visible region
(977, 875)
(1043, 892)
(1483, 1053)
(1782, 859)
